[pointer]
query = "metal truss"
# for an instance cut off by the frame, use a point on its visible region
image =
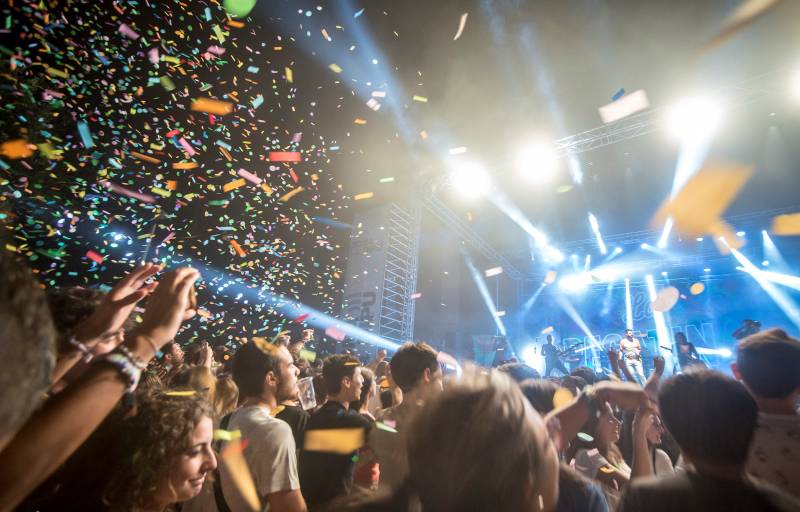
(400, 274)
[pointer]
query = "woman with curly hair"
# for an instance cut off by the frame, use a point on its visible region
(166, 456)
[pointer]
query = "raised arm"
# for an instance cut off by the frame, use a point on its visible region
(65, 421)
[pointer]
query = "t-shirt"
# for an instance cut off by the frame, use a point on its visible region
(550, 351)
(588, 462)
(775, 452)
(325, 475)
(577, 494)
(662, 464)
(692, 492)
(297, 419)
(270, 455)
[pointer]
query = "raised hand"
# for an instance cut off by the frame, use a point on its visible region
(116, 306)
(625, 395)
(168, 306)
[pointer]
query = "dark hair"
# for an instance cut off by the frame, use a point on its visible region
(519, 371)
(712, 417)
(27, 344)
(549, 338)
(70, 306)
(251, 363)
(320, 391)
(369, 378)
(540, 394)
(386, 398)
(159, 433)
(167, 348)
(193, 354)
(586, 374)
(336, 368)
(410, 362)
(681, 338)
(769, 362)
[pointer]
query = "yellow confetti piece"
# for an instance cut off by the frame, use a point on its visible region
(697, 288)
(423, 134)
(335, 68)
(274, 412)
(266, 188)
(184, 165)
(358, 120)
(56, 72)
(325, 35)
(17, 148)
(161, 191)
(216, 107)
(421, 99)
(289, 75)
(234, 185)
(365, 195)
(290, 194)
(308, 355)
(561, 397)
(236, 466)
(788, 224)
(336, 440)
(180, 393)
(547, 330)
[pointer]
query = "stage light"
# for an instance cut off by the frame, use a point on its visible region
(470, 180)
(700, 239)
(725, 352)
(537, 162)
(645, 246)
(706, 269)
(628, 305)
(771, 253)
(784, 301)
(695, 119)
(740, 234)
(553, 254)
(788, 280)
(596, 229)
(484, 291)
(532, 358)
(574, 283)
(664, 274)
(662, 241)
(662, 332)
(765, 263)
(795, 85)
(587, 262)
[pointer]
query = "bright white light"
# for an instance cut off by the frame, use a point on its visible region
(645, 246)
(552, 254)
(740, 234)
(796, 85)
(662, 241)
(470, 180)
(765, 263)
(628, 305)
(725, 352)
(574, 283)
(537, 162)
(664, 274)
(706, 269)
(593, 222)
(596, 229)
(531, 357)
(616, 251)
(699, 238)
(695, 119)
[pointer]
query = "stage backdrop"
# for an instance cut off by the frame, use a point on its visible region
(707, 319)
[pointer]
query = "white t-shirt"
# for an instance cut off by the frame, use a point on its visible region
(775, 451)
(589, 461)
(662, 464)
(270, 454)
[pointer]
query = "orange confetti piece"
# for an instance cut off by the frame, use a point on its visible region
(360, 121)
(17, 148)
(788, 224)
(234, 185)
(216, 107)
(235, 24)
(290, 194)
(334, 440)
(266, 188)
(184, 165)
(365, 195)
(236, 467)
(146, 158)
(238, 248)
(284, 156)
(172, 185)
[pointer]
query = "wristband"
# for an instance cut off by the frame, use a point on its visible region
(129, 370)
(86, 354)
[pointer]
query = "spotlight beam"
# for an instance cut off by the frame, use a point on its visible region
(596, 229)
(662, 332)
(485, 294)
(787, 305)
(628, 305)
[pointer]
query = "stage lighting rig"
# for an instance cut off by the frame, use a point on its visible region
(695, 118)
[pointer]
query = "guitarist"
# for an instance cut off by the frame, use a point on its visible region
(552, 358)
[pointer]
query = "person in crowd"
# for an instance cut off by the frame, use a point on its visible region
(199, 379)
(768, 363)
(574, 384)
(712, 418)
(226, 397)
(199, 354)
(320, 391)
(366, 473)
(326, 475)
(687, 353)
(519, 371)
(27, 346)
(386, 398)
(265, 375)
(380, 356)
(172, 355)
(588, 375)
(292, 412)
(505, 460)
(416, 372)
(167, 454)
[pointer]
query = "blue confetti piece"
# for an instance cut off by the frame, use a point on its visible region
(617, 95)
(86, 135)
(252, 69)
(332, 223)
(208, 14)
(257, 101)
(359, 13)
(4, 166)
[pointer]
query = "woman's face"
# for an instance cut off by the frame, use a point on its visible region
(654, 432)
(608, 426)
(189, 471)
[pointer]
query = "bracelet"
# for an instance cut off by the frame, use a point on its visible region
(150, 342)
(141, 365)
(127, 368)
(86, 354)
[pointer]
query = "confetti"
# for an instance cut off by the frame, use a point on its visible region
(494, 271)
(238, 248)
(180, 393)
(216, 107)
(284, 156)
(365, 195)
(458, 151)
(335, 68)
(227, 435)
(665, 299)
(744, 15)
(17, 148)
(585, 437)
(239, 8)
(562, 397)
(421, 99)
(697, 288)
(788, 224)
(236, 467)
(336, 440)
(462, 22)
(548, 330)
(625, 106)
(97, 258)
(550, 277)
(308, 355)
(285, 197)
(335, 333)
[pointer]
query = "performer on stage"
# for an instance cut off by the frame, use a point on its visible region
(552, 358)
(630, 351)
(687, 354)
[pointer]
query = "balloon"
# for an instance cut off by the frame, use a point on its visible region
(238, 8)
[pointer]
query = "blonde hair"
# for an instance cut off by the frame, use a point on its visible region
(226, 396)
(199, 379)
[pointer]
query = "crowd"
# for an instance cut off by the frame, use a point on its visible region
(98, 412)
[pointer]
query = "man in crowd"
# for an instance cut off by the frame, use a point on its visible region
(380, 356)
(712, 418)
(325, 475)
(417, 373)
(266, 375)
(769, 365)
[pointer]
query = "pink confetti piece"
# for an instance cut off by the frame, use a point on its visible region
(625, 106)
(152, 55)
(249, 176)
(284, 156)
(297, 137)
(128, 31)
(189, 149)
(119, 189)
(374, 104)
(216, 50)
(337, 334)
